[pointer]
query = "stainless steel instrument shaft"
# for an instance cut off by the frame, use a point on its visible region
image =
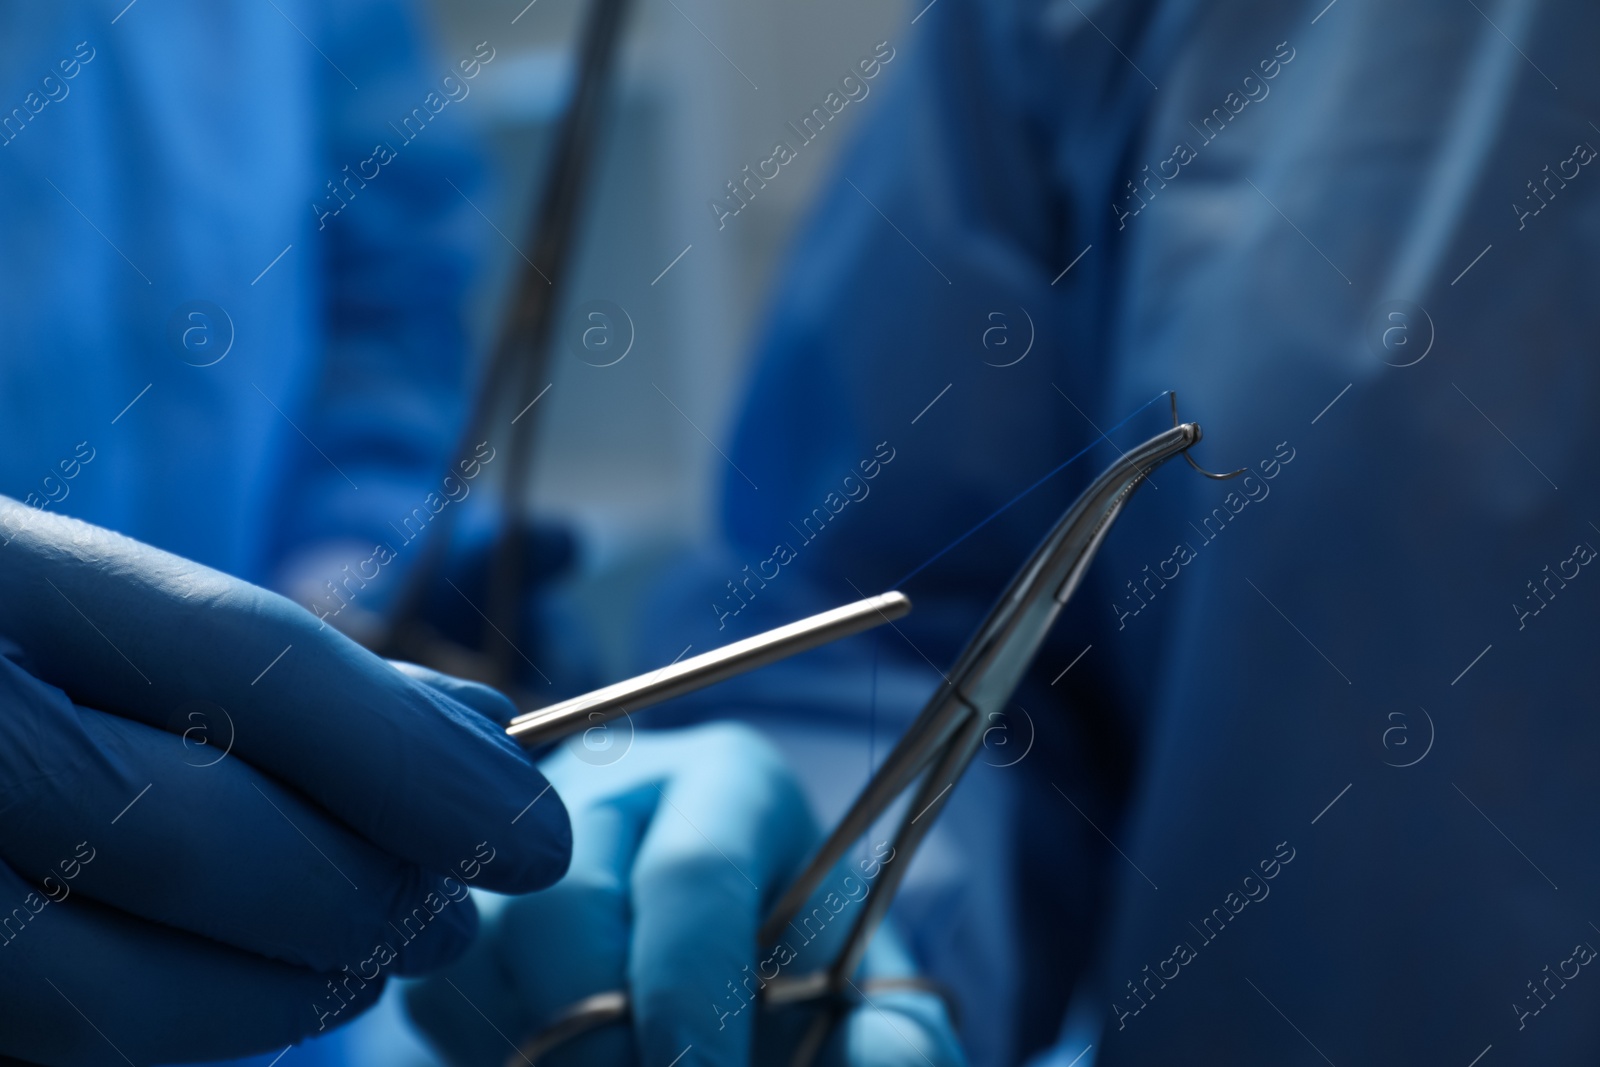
(558, 720)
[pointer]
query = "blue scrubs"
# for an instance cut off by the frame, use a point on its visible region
(234, 272)
(1314, 747)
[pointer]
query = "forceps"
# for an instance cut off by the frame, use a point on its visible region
(937, 748)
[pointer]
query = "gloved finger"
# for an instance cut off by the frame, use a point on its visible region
(885, 1026)
(486, 701)
(717, 851)
(542, 953)
(128, 629)
(893, 1027)
(112, 809)
(468, 1012)
(90, 981)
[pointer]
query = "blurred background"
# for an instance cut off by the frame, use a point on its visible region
(703, 88)
(1370, 191)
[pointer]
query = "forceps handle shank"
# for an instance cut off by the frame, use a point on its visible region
(994, 661)
(954, 756)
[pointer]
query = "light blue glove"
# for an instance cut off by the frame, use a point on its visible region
(682, 841)
(223, 825)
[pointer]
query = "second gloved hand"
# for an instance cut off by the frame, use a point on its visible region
(682, 841)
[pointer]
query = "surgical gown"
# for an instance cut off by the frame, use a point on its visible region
(1311, 776)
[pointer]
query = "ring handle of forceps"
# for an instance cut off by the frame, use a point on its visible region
(612, 1007)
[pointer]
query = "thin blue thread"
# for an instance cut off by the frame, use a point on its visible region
(1010, 503)
(872, 711)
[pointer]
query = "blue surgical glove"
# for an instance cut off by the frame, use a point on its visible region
(682, 840)
(223, 825)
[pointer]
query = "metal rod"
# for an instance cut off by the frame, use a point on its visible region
(517, 362)
(556, 721)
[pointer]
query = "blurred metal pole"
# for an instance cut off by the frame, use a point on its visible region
(552, 723)
(511, 380)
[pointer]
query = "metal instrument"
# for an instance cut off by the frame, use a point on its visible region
(519, 360)
(932, 755)
(592, 709)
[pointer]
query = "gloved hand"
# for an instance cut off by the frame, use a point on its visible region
(222, 824)
(681, 844)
